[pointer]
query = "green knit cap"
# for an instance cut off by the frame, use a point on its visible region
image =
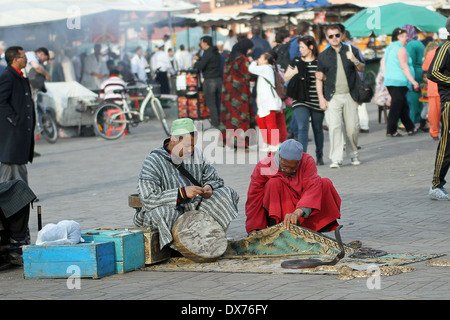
(183, 126)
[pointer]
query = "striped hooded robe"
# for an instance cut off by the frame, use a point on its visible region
(159, 191)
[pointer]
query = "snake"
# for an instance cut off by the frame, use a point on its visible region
(364, 253)
(438, 263)
(313, 263)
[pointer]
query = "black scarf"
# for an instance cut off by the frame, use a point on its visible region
(298, 86)
(240, 48)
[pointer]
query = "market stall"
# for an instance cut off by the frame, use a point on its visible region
(384, 19)
(191, 101)
(375, 21)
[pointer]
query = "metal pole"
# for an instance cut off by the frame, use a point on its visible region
(171, 31)
(39, 217)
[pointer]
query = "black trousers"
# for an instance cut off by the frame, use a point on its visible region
(399, 110)
(212, 88)
(16, 226)
(163, 80)
(442, 162)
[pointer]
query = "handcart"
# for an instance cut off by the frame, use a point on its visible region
(73, 104)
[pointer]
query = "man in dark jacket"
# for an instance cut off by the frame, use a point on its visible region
(17, 118)
(337, 88)
(260, 45)
(209, 64)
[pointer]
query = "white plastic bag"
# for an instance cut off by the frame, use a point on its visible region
(64, 232)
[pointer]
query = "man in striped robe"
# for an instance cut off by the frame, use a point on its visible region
(166, 193)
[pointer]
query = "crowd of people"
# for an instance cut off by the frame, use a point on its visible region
(321, 87)
(241, 83)
(92, 68)
(309, 79)
(241, 91)
(280, 86)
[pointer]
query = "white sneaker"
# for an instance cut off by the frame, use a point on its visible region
(355, 161)
(335, 164)
(438, 194)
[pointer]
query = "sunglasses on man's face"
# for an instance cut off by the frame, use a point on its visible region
(337, 35)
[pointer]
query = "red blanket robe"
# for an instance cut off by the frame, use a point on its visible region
(271, 194)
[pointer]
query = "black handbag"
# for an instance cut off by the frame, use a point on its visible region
(365, 92)
(298, 86)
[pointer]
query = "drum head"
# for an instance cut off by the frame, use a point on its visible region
(199, 237)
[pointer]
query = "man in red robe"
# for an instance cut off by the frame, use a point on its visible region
(285, 187)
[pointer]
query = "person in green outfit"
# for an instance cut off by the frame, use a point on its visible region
(415, 49)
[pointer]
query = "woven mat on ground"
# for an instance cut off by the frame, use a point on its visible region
(264, 252)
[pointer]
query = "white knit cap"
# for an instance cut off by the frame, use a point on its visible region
(442, 33)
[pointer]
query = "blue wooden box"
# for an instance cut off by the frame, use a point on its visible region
(86, 260)
(129, 247)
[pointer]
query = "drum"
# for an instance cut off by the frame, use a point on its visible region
(197, 236)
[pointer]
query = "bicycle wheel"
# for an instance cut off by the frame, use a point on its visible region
(49, 129)
(110, 122)
(160, 114)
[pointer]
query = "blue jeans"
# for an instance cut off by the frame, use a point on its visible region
(302, 116)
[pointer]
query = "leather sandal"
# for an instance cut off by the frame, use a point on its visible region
(411, 133)
(394, 135)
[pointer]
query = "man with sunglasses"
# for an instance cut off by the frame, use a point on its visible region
(337, 88)
(17, 118)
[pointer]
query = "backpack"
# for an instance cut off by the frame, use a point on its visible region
(280, 88)
(282, 51)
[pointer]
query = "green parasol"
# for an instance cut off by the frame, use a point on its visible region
(384, 19)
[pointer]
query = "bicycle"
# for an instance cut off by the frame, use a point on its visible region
(111, 119)
(46, 124)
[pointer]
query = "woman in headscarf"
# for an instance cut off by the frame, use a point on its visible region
(237, 114)
(415, 49)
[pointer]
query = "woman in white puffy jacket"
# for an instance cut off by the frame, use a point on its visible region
(270, 114)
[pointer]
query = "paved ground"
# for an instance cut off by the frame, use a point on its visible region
(384, 204)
